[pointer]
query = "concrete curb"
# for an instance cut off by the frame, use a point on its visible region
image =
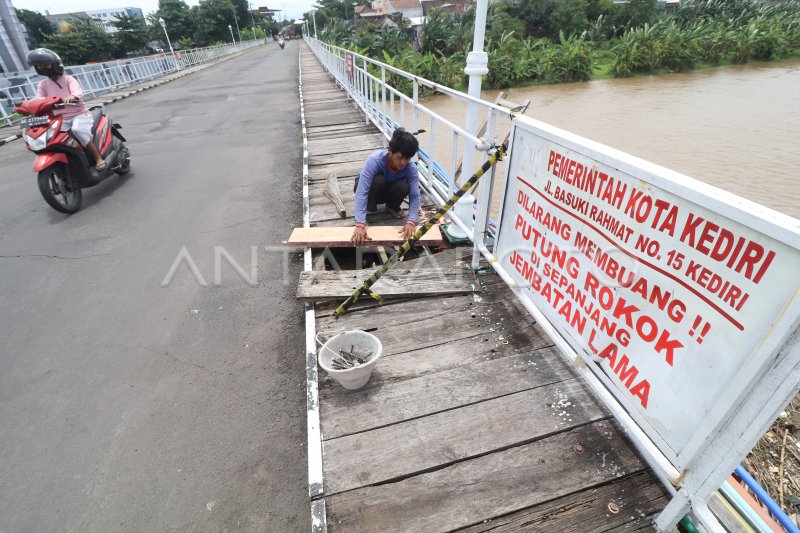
(156, 83)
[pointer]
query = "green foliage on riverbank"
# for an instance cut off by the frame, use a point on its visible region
(552, 41)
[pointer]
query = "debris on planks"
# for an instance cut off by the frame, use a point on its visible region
(339, 237)
(332, 192)
(399, 283)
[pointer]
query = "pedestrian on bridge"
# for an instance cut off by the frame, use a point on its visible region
(388, 178)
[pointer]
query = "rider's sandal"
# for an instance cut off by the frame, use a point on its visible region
(101, 165)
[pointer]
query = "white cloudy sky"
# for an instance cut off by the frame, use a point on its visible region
(294, 8)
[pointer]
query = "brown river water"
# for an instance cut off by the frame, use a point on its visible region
(734, 127)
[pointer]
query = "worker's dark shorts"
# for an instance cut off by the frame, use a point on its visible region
(392, 194)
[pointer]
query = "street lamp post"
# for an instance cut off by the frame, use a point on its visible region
(477, 66)
(314, 19)
(230, 29)
(171, 51)
(236, 21)
(252, 22)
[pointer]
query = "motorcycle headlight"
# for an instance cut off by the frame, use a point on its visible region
(40, 142)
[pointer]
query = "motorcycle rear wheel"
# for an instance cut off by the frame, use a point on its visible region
(125, 166)
(54, 187)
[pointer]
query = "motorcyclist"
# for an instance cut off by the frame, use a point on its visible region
(75, 117)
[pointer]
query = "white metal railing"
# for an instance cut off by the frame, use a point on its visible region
(99, 78)
(387, 108)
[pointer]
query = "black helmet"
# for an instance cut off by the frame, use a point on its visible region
(44, 56)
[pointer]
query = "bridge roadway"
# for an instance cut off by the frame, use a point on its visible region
(128, 406)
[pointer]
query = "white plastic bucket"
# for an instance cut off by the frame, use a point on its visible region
(358, 341)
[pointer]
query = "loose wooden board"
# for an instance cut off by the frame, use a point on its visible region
(397, 283)
(325, 237)
(332, 193)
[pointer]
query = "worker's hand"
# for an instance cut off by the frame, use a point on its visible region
(360, 236)
(408, 230)
(70, 99)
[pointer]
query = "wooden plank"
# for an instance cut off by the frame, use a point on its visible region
(337, 118)
(340, 237)
(328, 107)
(489, 486)
(494, 308)
(446, 356)
(373, 141)
(357, 127)
(442, 439)
(397, 283)
(431, 332)
(364, 410)
(341, 168)
(638, 497)
(332, 192)
(323, 136)
(495, 294)
(355, 155)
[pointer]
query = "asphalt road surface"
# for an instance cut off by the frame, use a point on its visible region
(129, 402)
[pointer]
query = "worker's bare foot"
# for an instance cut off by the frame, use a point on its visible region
(101, 165)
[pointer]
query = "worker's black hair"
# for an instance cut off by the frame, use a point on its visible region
(404, 142)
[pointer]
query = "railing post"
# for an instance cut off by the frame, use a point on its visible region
(451, 176)
(384, 126)
(484, 199)
(415, 103)
(6, 120)
(431, 153)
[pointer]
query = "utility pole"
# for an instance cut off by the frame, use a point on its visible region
(253, 22)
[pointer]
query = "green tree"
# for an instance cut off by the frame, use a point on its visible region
(131, 34)
(83, 46)
(435, 33)
(501, 22)
(536, 15)
(635, 13)
(569, 17)
(177, 18)
(212, 17)
(39, 28)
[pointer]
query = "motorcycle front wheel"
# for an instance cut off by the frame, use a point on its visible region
(56, 190)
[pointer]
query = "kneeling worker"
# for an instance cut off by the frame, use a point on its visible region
(387, 178)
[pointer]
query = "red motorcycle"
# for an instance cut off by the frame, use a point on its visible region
(63, 165)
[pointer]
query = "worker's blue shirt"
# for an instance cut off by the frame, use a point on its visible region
(377, 163)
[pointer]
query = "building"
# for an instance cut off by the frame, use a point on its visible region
(450, 6)
(111, 14)
(67, 22)
(407, 8)
(265, 12)
(13, 47)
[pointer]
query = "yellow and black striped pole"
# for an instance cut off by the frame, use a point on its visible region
(365, 289)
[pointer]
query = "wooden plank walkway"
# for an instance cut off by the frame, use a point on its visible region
(471, 420)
